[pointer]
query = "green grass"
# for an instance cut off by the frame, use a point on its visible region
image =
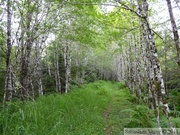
(94, 109)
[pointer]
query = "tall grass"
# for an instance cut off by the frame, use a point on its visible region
(80, 112)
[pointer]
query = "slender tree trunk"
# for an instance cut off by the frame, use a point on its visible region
(57, 75)
(146, 76)
(119, 67)
(77, 63)
(32, 88)
(67, 63)
(48, 65)
(175, 30)
(9, 86)
(37, 68)
(123, 64)
(131, 82)
(137, 68)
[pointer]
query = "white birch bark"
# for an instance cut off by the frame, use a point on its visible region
(131, 75)
(9, 87)
(67, 63)
(151, 54)
(77, 63)
(156, 80)
(37, 68)
(175, 30)
(57, 75)
(137, 72)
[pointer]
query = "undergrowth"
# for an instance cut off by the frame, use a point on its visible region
(80, 112)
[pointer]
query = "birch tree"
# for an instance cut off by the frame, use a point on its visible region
(156, 80)
(67, 64)
(174, 29)
(8, 87)
(57, 71)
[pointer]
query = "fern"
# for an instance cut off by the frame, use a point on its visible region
(176, 121)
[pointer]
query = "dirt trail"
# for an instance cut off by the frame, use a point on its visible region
(106, 115)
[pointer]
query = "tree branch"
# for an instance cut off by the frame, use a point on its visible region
(128, 8)
(90, 4)
(157, 34)
(122, 5)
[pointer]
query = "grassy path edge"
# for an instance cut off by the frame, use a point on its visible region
(97, 108)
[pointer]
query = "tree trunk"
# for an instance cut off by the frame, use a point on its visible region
(48, 65)
(146, 76)
(156, 80)
(67, 63)
(25, 65)
(137, 70)
(130, 76)
(57, 75)
(9, 86)
(175, 30)
(37, 63)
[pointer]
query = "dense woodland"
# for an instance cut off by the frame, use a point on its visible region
(54, 46)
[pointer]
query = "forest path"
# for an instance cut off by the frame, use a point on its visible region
(114, 116)
(125, 111)
(97, 108)
(106, 115)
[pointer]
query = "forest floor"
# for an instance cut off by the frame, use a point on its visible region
(98, 108)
